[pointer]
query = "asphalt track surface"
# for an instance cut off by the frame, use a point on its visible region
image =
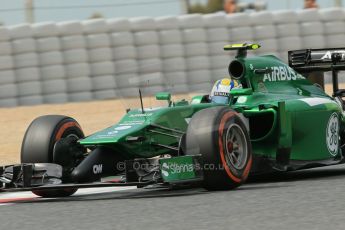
(310, 199)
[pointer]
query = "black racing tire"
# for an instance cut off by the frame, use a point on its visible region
(39, 141)
(220, 136)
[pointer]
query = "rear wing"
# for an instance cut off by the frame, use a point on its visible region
(323, 60)
(319, 60)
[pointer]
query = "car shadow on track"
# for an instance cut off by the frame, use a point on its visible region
(139, 194)
(269, 181)
(307, 174)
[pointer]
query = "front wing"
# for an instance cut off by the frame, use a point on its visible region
(139, 172)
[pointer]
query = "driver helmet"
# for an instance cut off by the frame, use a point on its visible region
(221, 90)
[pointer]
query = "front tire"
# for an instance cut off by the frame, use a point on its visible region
(220, 136)
(39, 142)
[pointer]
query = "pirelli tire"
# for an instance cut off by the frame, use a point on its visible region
(39, 142)
(220, 136)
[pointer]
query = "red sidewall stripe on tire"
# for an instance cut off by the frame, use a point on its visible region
(64, 127)
(223, 121)
(247, 169)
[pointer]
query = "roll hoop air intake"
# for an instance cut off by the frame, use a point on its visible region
(236, 67)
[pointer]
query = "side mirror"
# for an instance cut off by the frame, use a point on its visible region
(241, 92)
(164, 96)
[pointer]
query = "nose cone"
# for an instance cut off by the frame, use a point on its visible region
(101, 161)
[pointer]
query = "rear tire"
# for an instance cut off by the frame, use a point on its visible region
(39, 141)
(219, 135)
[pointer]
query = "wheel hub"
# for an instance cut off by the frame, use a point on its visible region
(236, 147)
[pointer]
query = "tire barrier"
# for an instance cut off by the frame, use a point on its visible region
(100, 59)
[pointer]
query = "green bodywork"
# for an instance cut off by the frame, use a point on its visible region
(136, 124)
(282, 108)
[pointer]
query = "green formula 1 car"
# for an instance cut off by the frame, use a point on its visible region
(277, 121)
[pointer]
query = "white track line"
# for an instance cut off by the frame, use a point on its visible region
(90, 191)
